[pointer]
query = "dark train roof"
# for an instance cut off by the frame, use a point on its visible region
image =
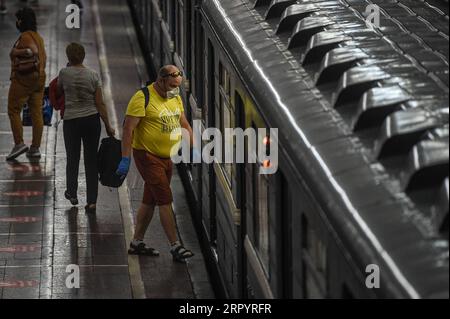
(363, 113)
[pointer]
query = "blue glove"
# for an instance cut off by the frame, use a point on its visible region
(124, 166)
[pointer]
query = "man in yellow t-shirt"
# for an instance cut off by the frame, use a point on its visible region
(148, 131)
(160, 118)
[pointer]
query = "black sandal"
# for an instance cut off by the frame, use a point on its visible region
(180, 254)
(142, 250)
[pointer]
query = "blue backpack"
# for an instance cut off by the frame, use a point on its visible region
(47, 112)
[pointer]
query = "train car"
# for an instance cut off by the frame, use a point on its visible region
(358, 90)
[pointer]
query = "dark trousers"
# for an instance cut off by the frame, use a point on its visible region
(86, 129)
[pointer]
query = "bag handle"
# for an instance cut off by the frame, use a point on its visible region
(146, 92)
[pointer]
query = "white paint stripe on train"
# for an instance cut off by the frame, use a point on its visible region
(137, 285)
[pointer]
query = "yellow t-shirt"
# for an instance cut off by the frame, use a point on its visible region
(160, 119)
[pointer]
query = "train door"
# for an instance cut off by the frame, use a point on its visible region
(208, 179)
(284, 211)
(241, 199)
(267, 243)
(259, 235)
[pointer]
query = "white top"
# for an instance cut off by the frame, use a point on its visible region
(80, 85)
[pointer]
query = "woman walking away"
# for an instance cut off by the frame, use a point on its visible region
(28, 59)
(84, 107)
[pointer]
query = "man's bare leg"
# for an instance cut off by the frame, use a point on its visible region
(168, 222)
(144, 217)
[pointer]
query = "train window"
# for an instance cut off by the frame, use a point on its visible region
(148, 25)
(168, 13)
(223, 117)
(163, 7)
(261, 217)
(155, 53)
(314, 261)
(200, 67)
(207, 93)
(224, 76)
(180, 34)
(141, 14)
(201, 55)
(226, 120)
(226, 111)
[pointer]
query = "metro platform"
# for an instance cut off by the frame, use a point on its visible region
(40, 233)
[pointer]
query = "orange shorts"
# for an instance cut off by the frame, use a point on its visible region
(157, 173)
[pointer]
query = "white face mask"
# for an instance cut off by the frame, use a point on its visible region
(173, 93)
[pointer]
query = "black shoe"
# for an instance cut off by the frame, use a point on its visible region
(143, 250)
(90, 209)
(17, 151)
(180, 254)
(33, 152)
(73, 200)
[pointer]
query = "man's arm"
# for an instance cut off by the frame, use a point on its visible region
(131, 122)
(101, 107)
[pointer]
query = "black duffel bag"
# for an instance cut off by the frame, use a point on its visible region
(109, 156)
